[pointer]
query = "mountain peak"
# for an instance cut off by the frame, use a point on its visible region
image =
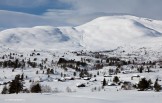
(108, 32)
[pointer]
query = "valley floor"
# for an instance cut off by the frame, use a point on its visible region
(90, 97)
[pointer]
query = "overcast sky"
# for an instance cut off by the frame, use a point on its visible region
(28, 13)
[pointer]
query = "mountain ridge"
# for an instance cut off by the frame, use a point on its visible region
(103, 33)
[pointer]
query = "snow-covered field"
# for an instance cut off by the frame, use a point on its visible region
(90, 97)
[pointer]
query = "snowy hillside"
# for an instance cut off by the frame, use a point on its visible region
(96, 62)
(104, 33)
(40, 37)
(114, 31)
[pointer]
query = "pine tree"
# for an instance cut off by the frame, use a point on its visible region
(5, 90)
(37, 72)
(36, 88)
(98, 73)
(81, 74)
(116, 79)
(74, 74)
(143, 84)
(157, 86)
(22, 77)
(48, 71)
(150, 83)
(104, 82)
(141, 69)
(52, 71)
(16, 85)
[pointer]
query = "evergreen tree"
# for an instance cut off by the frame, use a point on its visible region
(157, 86)
(48, 71)
(16, 85)
(116, 79)
(143, 84)
(98, 73)
(37, 72)
(36, 88)
(104, 82)
(52, 71)
(5, 90)
(141, 69)
(22, 77)
(74, 74)
(150, 83)
(81, 74)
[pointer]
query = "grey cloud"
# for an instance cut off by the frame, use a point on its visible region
(82, 12)
(15, 19)
(23, 3)
(144, 8)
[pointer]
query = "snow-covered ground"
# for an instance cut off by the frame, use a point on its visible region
(90, 97)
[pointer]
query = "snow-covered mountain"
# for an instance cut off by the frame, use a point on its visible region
(40, 37)
(103, 33)
(41, 58)
(114, 31)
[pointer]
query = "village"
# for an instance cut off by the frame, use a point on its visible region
(74, 71)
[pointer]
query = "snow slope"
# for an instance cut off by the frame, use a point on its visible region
(42, 37)
(104, 33)
(98, 97)
(114, 31)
